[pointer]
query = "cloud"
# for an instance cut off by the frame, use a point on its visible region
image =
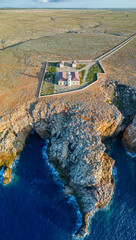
(52, 1)
(43, 1)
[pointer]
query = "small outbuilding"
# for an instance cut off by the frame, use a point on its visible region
(61, 64)
(74, 64)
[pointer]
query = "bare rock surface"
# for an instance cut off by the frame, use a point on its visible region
(129, 137)
(75, 126)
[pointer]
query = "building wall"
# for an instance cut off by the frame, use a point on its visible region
(65, 83)
(62, 83)
(75, 82)
(74, 65)
(61, 65)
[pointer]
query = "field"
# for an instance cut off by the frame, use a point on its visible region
(121, 66)
(31, 37)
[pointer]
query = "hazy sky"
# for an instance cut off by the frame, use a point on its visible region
(69, 3)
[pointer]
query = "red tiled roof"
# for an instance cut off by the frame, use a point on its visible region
(62, 76)
(75, 76)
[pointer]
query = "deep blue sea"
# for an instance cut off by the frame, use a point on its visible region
(34, 207)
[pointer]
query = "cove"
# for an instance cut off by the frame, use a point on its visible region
(33, 205)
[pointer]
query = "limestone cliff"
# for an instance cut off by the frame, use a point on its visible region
(129, 137)
(76, 150)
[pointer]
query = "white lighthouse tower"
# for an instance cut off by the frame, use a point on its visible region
(69, 79)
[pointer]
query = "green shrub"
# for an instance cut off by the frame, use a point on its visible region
(92, 73)
(51, 69)
(117, 101)
(82, 74)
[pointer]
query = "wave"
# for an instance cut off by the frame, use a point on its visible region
(108, 206)
(131, 154)
(115, 174)
(71, 199)
(15, 162)
(1, 174)
(14, 176)
(51, 168)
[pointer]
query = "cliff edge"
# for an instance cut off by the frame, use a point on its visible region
(129, 137)
(75, 128)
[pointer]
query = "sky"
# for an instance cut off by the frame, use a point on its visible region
(68, 3)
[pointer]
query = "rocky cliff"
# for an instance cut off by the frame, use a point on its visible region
(129, 137)
(75, 128)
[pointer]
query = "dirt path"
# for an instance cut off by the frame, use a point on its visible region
(86, 68)
(91, 63)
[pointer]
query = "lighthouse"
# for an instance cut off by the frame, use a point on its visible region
(69, 79)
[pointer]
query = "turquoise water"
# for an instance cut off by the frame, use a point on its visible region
(33, 205)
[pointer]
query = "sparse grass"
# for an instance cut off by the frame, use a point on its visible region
(39, 40)
(47, 88)
(92, 73)
(49, 81)
(42, 88)
(121, 66)
(32, 24)
(117, 101)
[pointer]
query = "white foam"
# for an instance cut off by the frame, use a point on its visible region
(131, 155)
(51, 168)
(108, 206)
(77, 238)
(115, 174)
(15, 162)
(1, 174)
(71, 199)
(14, 177)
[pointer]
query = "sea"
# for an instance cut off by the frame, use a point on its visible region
(33, 205)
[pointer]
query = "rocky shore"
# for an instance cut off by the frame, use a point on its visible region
(75, 128)
(129, 137)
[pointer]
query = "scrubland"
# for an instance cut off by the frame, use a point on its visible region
(29, 38)
(121, 66)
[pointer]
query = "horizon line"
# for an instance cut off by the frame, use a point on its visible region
(106, 8)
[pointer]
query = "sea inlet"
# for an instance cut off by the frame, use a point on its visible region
(33, 205)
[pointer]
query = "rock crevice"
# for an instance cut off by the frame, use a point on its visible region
(75, 148)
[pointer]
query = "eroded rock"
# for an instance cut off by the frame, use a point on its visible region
(76, 150)
(129, 137)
